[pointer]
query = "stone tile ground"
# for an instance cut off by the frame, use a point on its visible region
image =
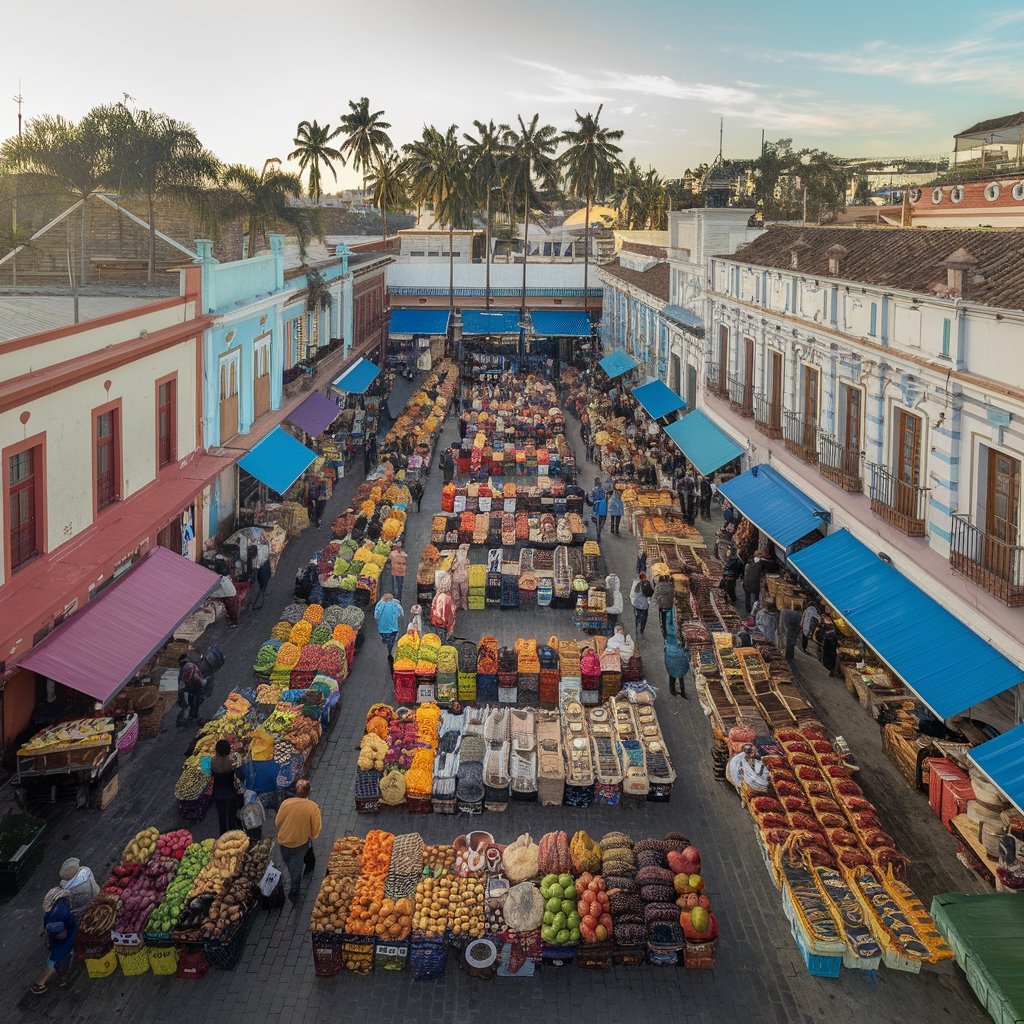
(759, 975)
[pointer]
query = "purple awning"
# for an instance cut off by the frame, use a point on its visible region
(315, 414)
(102, 646)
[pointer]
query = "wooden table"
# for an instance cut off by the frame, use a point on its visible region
(966, 832)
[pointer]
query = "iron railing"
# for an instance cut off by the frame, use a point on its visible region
(712, 379)
(993, 564)
(741, 396)
(800, 435)
(903, 505)
(840, 464)
(768, 416)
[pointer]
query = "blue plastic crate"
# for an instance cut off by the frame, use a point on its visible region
(817, 966)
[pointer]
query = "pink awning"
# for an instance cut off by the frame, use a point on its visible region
(102, 646)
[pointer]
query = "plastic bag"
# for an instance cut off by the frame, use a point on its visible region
(523, 908)
(521, 859)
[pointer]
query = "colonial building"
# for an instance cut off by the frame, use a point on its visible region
(880, 372)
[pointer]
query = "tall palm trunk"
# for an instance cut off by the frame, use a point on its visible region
(81, 252)
(586, 257)
(487, 253)
(526, 253)
(151, 265)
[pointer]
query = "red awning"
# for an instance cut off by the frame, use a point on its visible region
(98, 649)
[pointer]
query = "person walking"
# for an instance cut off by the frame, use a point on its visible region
(447, 464)
(387, 614)
(59, 926)
(767, 621)
(460, 578)
(298, 823)
(190, 690)
(689, 493)
(320, 502)
(789, 631)
(616, 510)
(640, 598)
(398, 562)
(731, 573)
(262, 577)
(367, 458)
(808, 621)
(677, 665)
(612, 600)
(442, 614)
(79, 883)
(226, 785)
(664, 597)
(751, 583)
(416, 492)
(706, 493)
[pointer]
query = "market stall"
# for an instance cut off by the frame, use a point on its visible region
(392, 902)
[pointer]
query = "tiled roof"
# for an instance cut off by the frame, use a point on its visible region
(654, 281)
(993, 124)
(910, 259)
(643, 249)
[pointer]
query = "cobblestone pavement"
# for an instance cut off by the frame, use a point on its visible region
(759, 975)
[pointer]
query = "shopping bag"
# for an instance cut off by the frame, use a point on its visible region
(309, 862)
(270, 879)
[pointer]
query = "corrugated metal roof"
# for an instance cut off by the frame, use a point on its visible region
(474, 275)
(774, 505)
(30, 314)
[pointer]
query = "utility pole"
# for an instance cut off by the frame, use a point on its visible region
(19, 99)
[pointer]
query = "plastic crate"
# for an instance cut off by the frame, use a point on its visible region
(700, 955)
(817, 966)
(390, 956)
(357, 954)
(226, 954)
(596, 956)
(192, 963)
(133, 961)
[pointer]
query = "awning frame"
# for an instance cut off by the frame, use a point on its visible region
(357, 371)
(278, 444)
(617, 363)
(658, 400)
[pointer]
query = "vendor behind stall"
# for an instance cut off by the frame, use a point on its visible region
(747, 769)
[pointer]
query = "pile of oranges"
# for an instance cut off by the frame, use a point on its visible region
(368, 898)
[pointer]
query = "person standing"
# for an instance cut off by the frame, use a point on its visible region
(59, 926)
(706, 493)
(262, 575)
(398, 562)
(298, 823)
(616, 510)
(664, 597)
(640, 598)
(79, 883)
(226, 786)
(731, 573)
(767, 621)
(677, 665)
(751, 583)
(367, 458)
(460, 578)
(190, 690)
(447, 464)
(689, 491)
(789, 630)
(416, 492)
(613, 599)
(808, 621)
(320, 502)
(442, 614)
(387, 614)
(253, 816)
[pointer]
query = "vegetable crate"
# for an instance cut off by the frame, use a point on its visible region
(428, 958)
(226, 953)
(163, 960)
(558, 956)
(595, 956)
(629, 956)
(700, 955)
(326, 953)
(357, 954)
(390, 956)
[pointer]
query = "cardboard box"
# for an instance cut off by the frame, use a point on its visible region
(108, 792)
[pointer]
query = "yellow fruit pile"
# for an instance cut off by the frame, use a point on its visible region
(432, 899)
(466, 907)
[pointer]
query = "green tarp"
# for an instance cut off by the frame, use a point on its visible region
(986, 933)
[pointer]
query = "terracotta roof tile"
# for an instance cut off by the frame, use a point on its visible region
(911, 259)
(654, 281)
(643, 249)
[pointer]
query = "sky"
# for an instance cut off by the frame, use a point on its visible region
(864, 79)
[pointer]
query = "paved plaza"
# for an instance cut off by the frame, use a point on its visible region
(759, 974)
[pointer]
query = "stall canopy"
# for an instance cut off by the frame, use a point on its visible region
(419, 321)
(946, 664)
(774, 505)
(358, 377)
(490, 321)
(616, 363)
(278, 460)
(560, 323)
(658, 399)
(1002, 760)
(708, 447)
(315, 414)
(102, 646)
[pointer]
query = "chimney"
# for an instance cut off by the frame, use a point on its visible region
(836, 254)
(795, 251)
(957, 265)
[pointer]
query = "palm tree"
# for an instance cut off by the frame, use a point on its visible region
(438, 177)
(260, 198)
(652, 202)
(312, 148)
(366, 136)
(531, 163)
(488, 158)
(389, 185)
(628, 191)
(589, 166)
(155, 155)
(71, 159)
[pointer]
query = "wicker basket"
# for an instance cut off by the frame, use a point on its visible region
(700, 955)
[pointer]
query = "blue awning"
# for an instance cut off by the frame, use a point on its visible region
(560, 323)
(490, 321)
(683, 317)
(419, 321)
(616, 363)
(658, 399)
(774, 505)
(944, 662)
(278, 460)
(707, 446)
(1002, 760)
(358, 377)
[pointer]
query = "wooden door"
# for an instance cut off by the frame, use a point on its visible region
(1002, 510)
(228, 399)
(852, 418)
(775, 391)
(261, 380)
(748, 376)
(723, 358)
(908, 448)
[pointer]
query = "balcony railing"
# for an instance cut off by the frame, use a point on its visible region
(712, 378)
(800, 436)
(903, 505)
(839, 464)
(768, 416)
(741, 396)
(992, 564)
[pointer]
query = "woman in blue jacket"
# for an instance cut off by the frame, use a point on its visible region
(677, 665)
(59, 926)
(615, 510)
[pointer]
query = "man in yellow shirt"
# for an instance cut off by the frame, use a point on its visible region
(298, 823)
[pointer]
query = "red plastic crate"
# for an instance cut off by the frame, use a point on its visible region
(955, 796)
(941, 770)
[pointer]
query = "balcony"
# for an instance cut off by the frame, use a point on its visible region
(768, 416)
(741, 397)
(992, 564)
(839, 464)
(903, 505)
(713, 381)
(800, 436)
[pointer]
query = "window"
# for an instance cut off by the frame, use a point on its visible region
(873, 322)
(418, 252)
(907, 441)
(945, 336)
(24, 507)
(166, 423)
(108, 459)
(850, 402)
